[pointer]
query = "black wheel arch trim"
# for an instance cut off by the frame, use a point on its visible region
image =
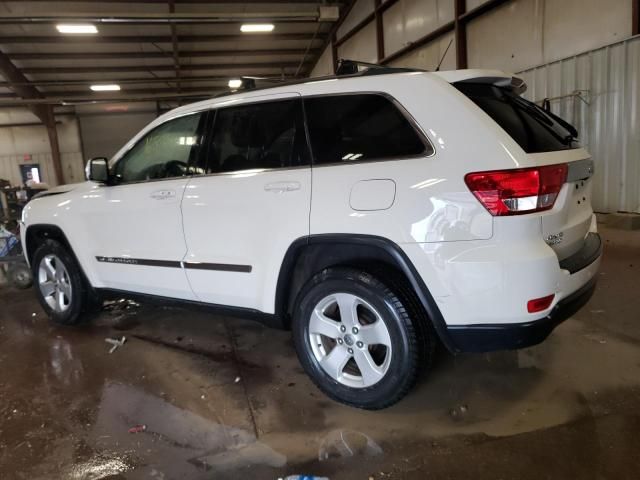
(391, 249)
(59, 234)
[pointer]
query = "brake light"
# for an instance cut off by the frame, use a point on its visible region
(539, 304)
(518, 191)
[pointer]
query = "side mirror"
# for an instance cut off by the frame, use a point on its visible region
(97, 170)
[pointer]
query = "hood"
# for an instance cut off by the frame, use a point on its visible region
(58, 190)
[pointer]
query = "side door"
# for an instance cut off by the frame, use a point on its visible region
(253, 202)
(135, 226)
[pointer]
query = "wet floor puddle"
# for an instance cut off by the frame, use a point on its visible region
(216, 398)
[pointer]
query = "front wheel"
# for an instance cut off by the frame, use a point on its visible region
(356, 339)
(59, 283)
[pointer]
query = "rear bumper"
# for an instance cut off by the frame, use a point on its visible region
(487, 338)
(492, 337)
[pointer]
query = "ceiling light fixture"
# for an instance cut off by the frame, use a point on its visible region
(105, 88)
(235, 83)
(256, 27)
(77, 28)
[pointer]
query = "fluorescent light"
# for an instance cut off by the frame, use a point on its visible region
(235, 83)
(105, 88)
(77, 28)
(256, 27)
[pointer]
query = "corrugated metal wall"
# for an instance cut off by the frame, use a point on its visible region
(609, 125)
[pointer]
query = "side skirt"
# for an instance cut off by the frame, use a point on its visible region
(267, 319)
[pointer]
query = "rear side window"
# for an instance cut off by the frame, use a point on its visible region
(258, 136)
(360, 127)
(528, 124)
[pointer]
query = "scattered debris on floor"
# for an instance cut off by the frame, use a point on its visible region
(458, 412)
(116, 343)
(347, 443)
(237, 380)
(122, 305)
(303, 477)
(137, 428)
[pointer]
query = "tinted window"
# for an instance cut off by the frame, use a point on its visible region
(164, 152)
(348, 128)
(260, 135)
(528, 124)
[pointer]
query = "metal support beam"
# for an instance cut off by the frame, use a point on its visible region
(137, 55)
(48, 39)
(125, 92)
(309, 2)
(52, 133)
(174, 45)
(157, 68)
(635, 17)
(460, 33)
(379, 30)
(334, 53)
(129, 81)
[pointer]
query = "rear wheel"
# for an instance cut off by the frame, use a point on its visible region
(356, 339)
(59, 283)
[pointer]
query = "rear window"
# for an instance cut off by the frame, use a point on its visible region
(529, 125)
(359, 127)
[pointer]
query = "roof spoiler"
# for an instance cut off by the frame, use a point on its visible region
(515, 84)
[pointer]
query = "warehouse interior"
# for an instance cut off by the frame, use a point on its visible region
(191, 395)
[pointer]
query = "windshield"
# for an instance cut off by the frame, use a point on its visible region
(532, 127)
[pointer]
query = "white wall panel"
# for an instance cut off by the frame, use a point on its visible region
(576, 26)
(471, 4)
(324, 65)
(359, 12)
(408, 20)
(362, 46)
(609, 126)
(428, 56)
(508, 38)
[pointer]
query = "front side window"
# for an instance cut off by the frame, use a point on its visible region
(164, 152)
(258, 136)
(360, 127)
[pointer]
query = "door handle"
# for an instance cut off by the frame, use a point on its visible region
(163, 194)
(282, 187)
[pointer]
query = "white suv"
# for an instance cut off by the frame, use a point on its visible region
(374, 214)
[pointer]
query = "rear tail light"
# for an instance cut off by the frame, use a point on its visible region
(519, 191)
(539, 304)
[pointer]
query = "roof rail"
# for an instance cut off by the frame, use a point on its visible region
(356, 67)
(346, 69)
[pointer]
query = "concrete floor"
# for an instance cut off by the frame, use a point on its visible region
(225, 398)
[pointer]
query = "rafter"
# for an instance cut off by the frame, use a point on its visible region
(12, 39)
(158, 54)
(159, 68)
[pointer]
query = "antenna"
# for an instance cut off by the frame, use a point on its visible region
(444, 55)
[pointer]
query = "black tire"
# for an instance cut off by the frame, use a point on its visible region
(20, 276)
(80, 295)
(407, 338)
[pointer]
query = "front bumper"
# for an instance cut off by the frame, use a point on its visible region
(511, 336)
